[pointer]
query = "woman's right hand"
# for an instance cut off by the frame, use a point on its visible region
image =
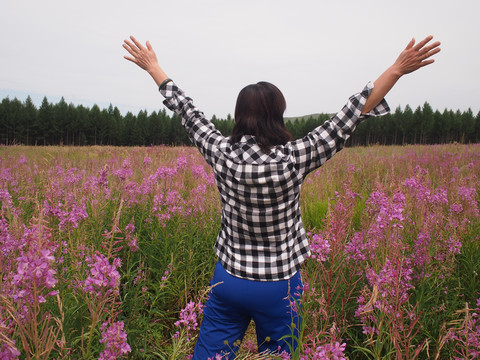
(413, 57)
(145, 58)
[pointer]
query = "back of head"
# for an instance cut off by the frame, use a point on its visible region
(259, 112)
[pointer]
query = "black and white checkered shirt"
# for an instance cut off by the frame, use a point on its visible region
(262, 235)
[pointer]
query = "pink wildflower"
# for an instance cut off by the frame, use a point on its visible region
(329, 351)
(181, 163)
(115, 340)
(147, 160)
(125, 171)
(188, 318)
(320, 247)
(35, 265)
(131, 240)
(9, 351)
(102, 276)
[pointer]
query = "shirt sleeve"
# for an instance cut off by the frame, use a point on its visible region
(323, 142)
(200, 130)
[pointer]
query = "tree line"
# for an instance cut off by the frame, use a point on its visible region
(67, 124)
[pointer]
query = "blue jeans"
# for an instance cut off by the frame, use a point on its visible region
(235, 301)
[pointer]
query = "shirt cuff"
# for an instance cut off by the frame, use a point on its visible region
(381, 109)
(170, 92)
(168, 89)
(164, 82)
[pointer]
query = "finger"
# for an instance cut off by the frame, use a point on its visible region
(135, 41)
(149, 46)
(422, 43)
(410, 44)
(431, 53)
(433, 46)
(129, 46)
(129, 49)
(427, 62)
(429, 48)
(130, 59)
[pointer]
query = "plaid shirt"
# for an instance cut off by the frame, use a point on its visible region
(262, 235)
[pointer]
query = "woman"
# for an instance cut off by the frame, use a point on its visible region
(259, 171)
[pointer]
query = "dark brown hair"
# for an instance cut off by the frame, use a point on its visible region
(259, 112)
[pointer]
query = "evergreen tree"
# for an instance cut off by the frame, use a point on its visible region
(60, 122)
(427, 122)
(46, 129)
(477, 128)
(30, 120)
(468, 126)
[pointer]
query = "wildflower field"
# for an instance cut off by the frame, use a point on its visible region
(107, 252)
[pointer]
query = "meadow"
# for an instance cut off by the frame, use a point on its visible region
(107, 252)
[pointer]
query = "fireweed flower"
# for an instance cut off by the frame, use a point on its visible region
(391, 283)
(35, 265)
(129, 238)
(102, 179)
(188, 319)
(102, 276)
(147, 160)
(355, 248)
(9, 351)
(6, 198)
(421, 192)
(115, 340)
(387, 211)
(198, 171)
(334, 351)
(73, 176)
(166, 275)
(469, 196)
(22, 160)
(125, 171)
(70, 214)
(9, 246)
(181, 163)
(164, 172)
(320, 247)
(420, 253)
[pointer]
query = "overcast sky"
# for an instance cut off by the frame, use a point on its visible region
(317, 52)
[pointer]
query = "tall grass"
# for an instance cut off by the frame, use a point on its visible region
(107, 252)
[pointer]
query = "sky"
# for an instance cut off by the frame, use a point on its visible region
(317, 52)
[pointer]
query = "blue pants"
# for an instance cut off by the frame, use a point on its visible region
(233, 303)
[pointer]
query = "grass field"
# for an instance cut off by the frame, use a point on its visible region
(106, 253)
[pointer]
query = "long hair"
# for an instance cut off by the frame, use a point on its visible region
(259, 112)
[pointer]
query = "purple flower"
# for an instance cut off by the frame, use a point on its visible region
(115, 340)
(125, 171)
(355, 248)
(35, 265)
(334, 351)
(165, 172)
(22, 159)
(181, 163)
(188, 318)
(103, 276)
(131, 240)
(9, 351)
(320, 247)
(147, 160)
